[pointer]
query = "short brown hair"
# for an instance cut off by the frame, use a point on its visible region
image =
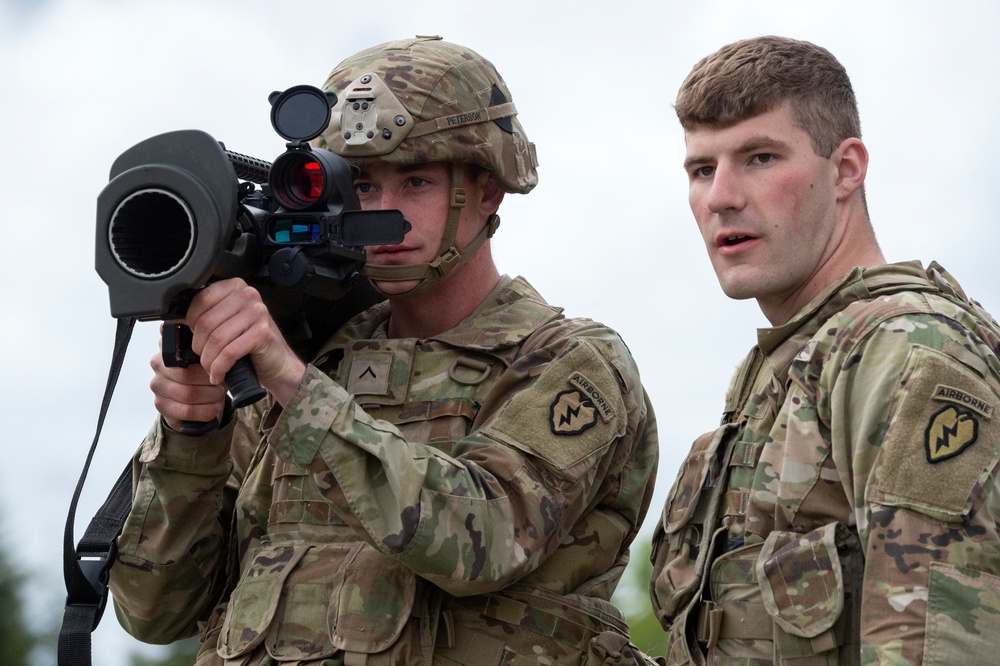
(753, 76)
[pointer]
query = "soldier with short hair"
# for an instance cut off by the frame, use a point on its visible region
(846, 510)
(455, 478)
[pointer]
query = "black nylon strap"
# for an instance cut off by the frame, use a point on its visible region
(86, 567)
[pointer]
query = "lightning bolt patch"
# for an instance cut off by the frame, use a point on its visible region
(571, 413)
(949, 432)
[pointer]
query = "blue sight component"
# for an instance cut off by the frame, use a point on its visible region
(295, 231)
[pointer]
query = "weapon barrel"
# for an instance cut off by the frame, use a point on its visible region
(249, 168)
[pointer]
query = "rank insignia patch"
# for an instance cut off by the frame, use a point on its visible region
(950, 431)
(571, 413)
(369, 374)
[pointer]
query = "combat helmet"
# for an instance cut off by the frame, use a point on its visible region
(427, 100)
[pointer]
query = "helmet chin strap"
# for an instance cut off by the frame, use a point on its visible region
(448, 255)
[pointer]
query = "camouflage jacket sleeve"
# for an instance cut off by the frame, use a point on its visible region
(171, 552)
(503, 498)
(908, 411)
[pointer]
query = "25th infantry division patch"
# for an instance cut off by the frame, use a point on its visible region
(951, 430)
(571, 413)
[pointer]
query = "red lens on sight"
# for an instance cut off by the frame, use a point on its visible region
(300, 180)
(308, 182)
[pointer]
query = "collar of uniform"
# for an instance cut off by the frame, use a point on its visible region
(781, 343)
(506, 317)
(363, 326)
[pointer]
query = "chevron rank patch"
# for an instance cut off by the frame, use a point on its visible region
(369, 374)
(571, 413)
(950, 431)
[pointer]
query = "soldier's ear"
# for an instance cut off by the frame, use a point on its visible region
(492, 193)
(851, 161)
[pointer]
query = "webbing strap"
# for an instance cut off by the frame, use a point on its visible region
(86, 567)
(743, 621)
(749, 620)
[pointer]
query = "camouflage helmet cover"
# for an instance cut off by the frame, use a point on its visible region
(427, 100)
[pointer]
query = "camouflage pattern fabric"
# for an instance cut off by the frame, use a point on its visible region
(428, 100)
(847, 509)
(464, 499)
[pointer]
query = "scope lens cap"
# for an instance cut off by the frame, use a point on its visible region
(301, 113)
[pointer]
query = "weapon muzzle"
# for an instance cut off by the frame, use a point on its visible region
(152, 233)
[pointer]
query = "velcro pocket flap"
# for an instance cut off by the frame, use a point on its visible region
(374, 602)
(801, 580)
(255, 600)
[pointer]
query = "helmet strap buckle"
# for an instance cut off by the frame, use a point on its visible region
(447, 260)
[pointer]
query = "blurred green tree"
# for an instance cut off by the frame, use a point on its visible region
(17, 640)
(632, 596)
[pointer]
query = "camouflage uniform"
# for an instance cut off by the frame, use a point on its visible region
(846, 510)
(468, 498)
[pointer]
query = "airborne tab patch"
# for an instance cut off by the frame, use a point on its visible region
(571, 413)
(959, 397)
(588, 388)
(951, 430)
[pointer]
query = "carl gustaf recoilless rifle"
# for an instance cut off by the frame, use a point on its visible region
(181, 211)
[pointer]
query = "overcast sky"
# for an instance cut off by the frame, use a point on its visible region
(607, 233)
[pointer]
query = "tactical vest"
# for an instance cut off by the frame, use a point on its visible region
(729, 596)
(313, 590)
(715, 581)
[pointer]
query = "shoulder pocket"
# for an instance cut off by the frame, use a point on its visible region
(574, 409)
(941, 441)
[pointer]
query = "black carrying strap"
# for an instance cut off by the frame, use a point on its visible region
(86, 567)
